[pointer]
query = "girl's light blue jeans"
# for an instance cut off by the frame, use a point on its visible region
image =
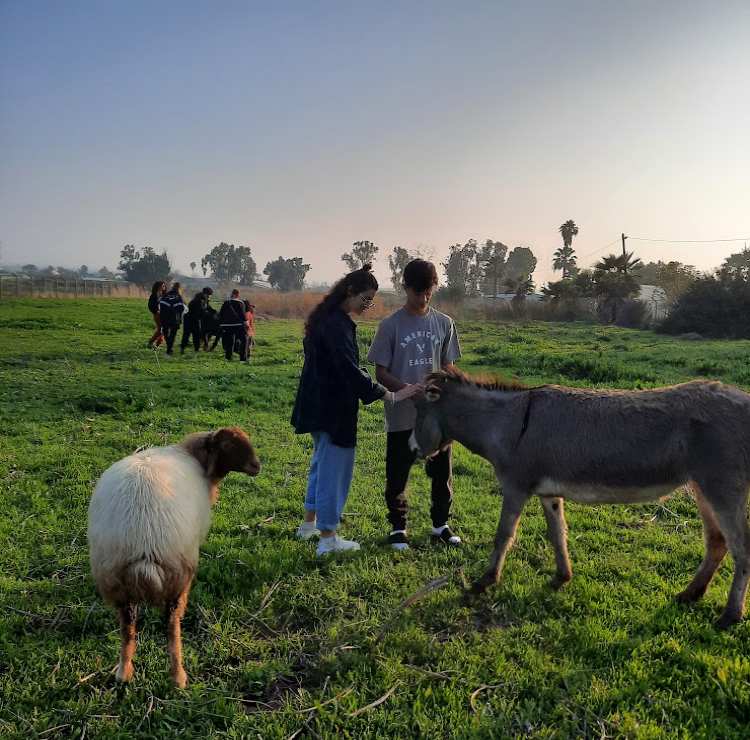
(329, 480)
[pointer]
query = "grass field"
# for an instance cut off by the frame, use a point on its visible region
(277, 642)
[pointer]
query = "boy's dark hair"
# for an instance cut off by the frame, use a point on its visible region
(355, 282)
(420, 275)
(176, 287)
(207, 291)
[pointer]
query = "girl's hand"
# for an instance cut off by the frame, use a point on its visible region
(406, 392)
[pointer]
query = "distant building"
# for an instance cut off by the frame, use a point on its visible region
(508, 297)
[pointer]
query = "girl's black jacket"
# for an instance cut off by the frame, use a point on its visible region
(332, 382)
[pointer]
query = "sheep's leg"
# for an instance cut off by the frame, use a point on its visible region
(557, 533)
(128, 633)
(513, 504)
(174, 613)
(716, 549)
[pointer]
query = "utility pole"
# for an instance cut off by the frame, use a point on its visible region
(623, 245)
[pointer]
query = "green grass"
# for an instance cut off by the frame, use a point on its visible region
(276, 641)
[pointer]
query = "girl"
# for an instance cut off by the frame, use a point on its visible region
(330, 389)
(158, 289)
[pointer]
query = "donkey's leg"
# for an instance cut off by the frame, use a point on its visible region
(557, 532)
(513, 503)
(730, 507)
(128, 633)
(716, 549)
(174, 613)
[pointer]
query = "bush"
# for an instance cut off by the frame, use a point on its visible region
(633, 314)
(712, 307)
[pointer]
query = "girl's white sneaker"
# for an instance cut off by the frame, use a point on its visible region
(306, 531)
(335, 544)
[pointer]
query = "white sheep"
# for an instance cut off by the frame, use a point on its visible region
(148, 516)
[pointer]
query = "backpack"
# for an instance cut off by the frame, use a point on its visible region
(170, 309)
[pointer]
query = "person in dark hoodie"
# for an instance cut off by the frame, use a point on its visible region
(331, 386)
(191, 327)
(232, 318)
(171, 308)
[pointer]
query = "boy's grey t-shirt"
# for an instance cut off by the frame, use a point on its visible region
(411, 347)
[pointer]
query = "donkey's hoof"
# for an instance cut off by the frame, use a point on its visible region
(688, 596)
(559, 581)
(725, 621)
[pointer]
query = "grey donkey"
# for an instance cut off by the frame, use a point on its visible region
(603, 447)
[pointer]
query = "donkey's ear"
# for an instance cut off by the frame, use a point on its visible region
(432, 392)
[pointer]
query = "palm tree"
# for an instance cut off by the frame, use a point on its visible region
(193, 266)
(565, 260)
(623, 263)
(565, 256)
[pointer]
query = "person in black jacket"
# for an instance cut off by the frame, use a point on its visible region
(331, 386)
(157, 291)
(171, 308)
(232, 318)
(191, 327)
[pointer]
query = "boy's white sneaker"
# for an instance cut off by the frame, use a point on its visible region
(306, 531)
(335, 544)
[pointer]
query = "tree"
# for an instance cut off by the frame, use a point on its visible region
(520, 286)
(193, 265)
(674, 278)
(736, 266)
(106, 273)
(143, 266)
(286, 274)
(521, 262)
(492, 258)
(231, 264)
(83, 270)
(623, 263)
(463, 269)
(565, 259)
(362, 253)
(30, 269)
(397, 262)
(613, 285)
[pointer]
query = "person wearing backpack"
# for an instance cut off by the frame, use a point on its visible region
(158, 289)
(233, 334)
(171, 308)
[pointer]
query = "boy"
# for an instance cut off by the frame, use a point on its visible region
(411, 343)
(233, 323)
(171, 308)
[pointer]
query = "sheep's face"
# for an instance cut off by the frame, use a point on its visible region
(223, 451)
(230, 450)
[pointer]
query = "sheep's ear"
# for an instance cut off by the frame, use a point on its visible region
(432, 392)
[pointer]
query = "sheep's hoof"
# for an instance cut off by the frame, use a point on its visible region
(180, 679)
(124, 673)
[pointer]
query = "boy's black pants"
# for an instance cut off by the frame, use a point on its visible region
(398, 461)
(170, 332)
(231, 335)
(191, 329)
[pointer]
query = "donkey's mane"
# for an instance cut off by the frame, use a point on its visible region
(485, 382)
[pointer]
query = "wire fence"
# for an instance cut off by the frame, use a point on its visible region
(13, 286)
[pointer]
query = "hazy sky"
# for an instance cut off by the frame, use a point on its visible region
(298, 128)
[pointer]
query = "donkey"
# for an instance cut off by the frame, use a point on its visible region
(603, 447)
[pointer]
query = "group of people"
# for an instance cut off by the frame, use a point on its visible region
(409, 344)
(234, 323)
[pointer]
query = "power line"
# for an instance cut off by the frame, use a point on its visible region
(689, 241)
(600, 249)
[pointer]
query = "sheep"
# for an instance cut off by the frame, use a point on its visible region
(148, 516)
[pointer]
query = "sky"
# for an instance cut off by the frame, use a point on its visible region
(299, 128)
